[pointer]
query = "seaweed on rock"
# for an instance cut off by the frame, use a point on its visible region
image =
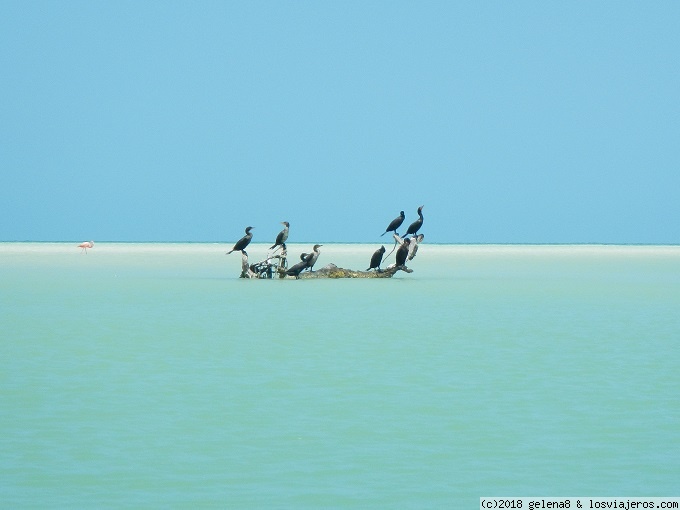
(333, 271)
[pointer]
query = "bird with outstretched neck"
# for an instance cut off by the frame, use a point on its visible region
(415, 226)
(243, 242)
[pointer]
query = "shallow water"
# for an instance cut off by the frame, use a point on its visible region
(149, 375)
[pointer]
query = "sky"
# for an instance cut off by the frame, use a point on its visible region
(511, 122)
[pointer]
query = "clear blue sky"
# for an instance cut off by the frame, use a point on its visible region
(512, 122)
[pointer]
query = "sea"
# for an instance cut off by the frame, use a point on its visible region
(152, 376)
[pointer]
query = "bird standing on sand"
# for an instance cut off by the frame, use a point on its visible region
(415, 226)
(402, 253)
(283, 235)
(376, 259)
(243, 242)
(85, 246)
(394, 224)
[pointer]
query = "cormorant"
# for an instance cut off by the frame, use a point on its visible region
(376, 259)
(311, 258)
(297, 269)
(283, 235)
(307, 261)
(395, 224)
(402, 253)
(243, 242)
(415, 226)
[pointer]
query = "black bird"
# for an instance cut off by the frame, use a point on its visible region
(376, 259)
(297, 269)
(243, 242)
(415, 226)
(402, 253)
(394, 224)
(311, 258)
(307, 261)
(282, 237)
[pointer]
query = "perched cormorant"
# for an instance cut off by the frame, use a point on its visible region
(402, 253)
(307, 261)
(311, 258)
(395, 224)
(297, 269)
(415, 226)
(376, 259)
(243, 242)
(283, 235)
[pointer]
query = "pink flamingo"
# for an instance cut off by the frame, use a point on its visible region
(85, 246)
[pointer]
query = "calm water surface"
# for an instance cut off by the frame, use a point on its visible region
(150, 376)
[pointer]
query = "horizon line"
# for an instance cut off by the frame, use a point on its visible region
(587, 243)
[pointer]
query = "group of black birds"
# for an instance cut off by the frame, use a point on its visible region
(404, 248)
(307, 260)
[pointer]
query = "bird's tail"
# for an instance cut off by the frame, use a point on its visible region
(384, 233)
(229, 252)
(390, 253)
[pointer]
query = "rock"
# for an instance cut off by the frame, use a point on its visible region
(333, 271)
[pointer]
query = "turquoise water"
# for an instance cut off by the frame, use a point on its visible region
(150, 376)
